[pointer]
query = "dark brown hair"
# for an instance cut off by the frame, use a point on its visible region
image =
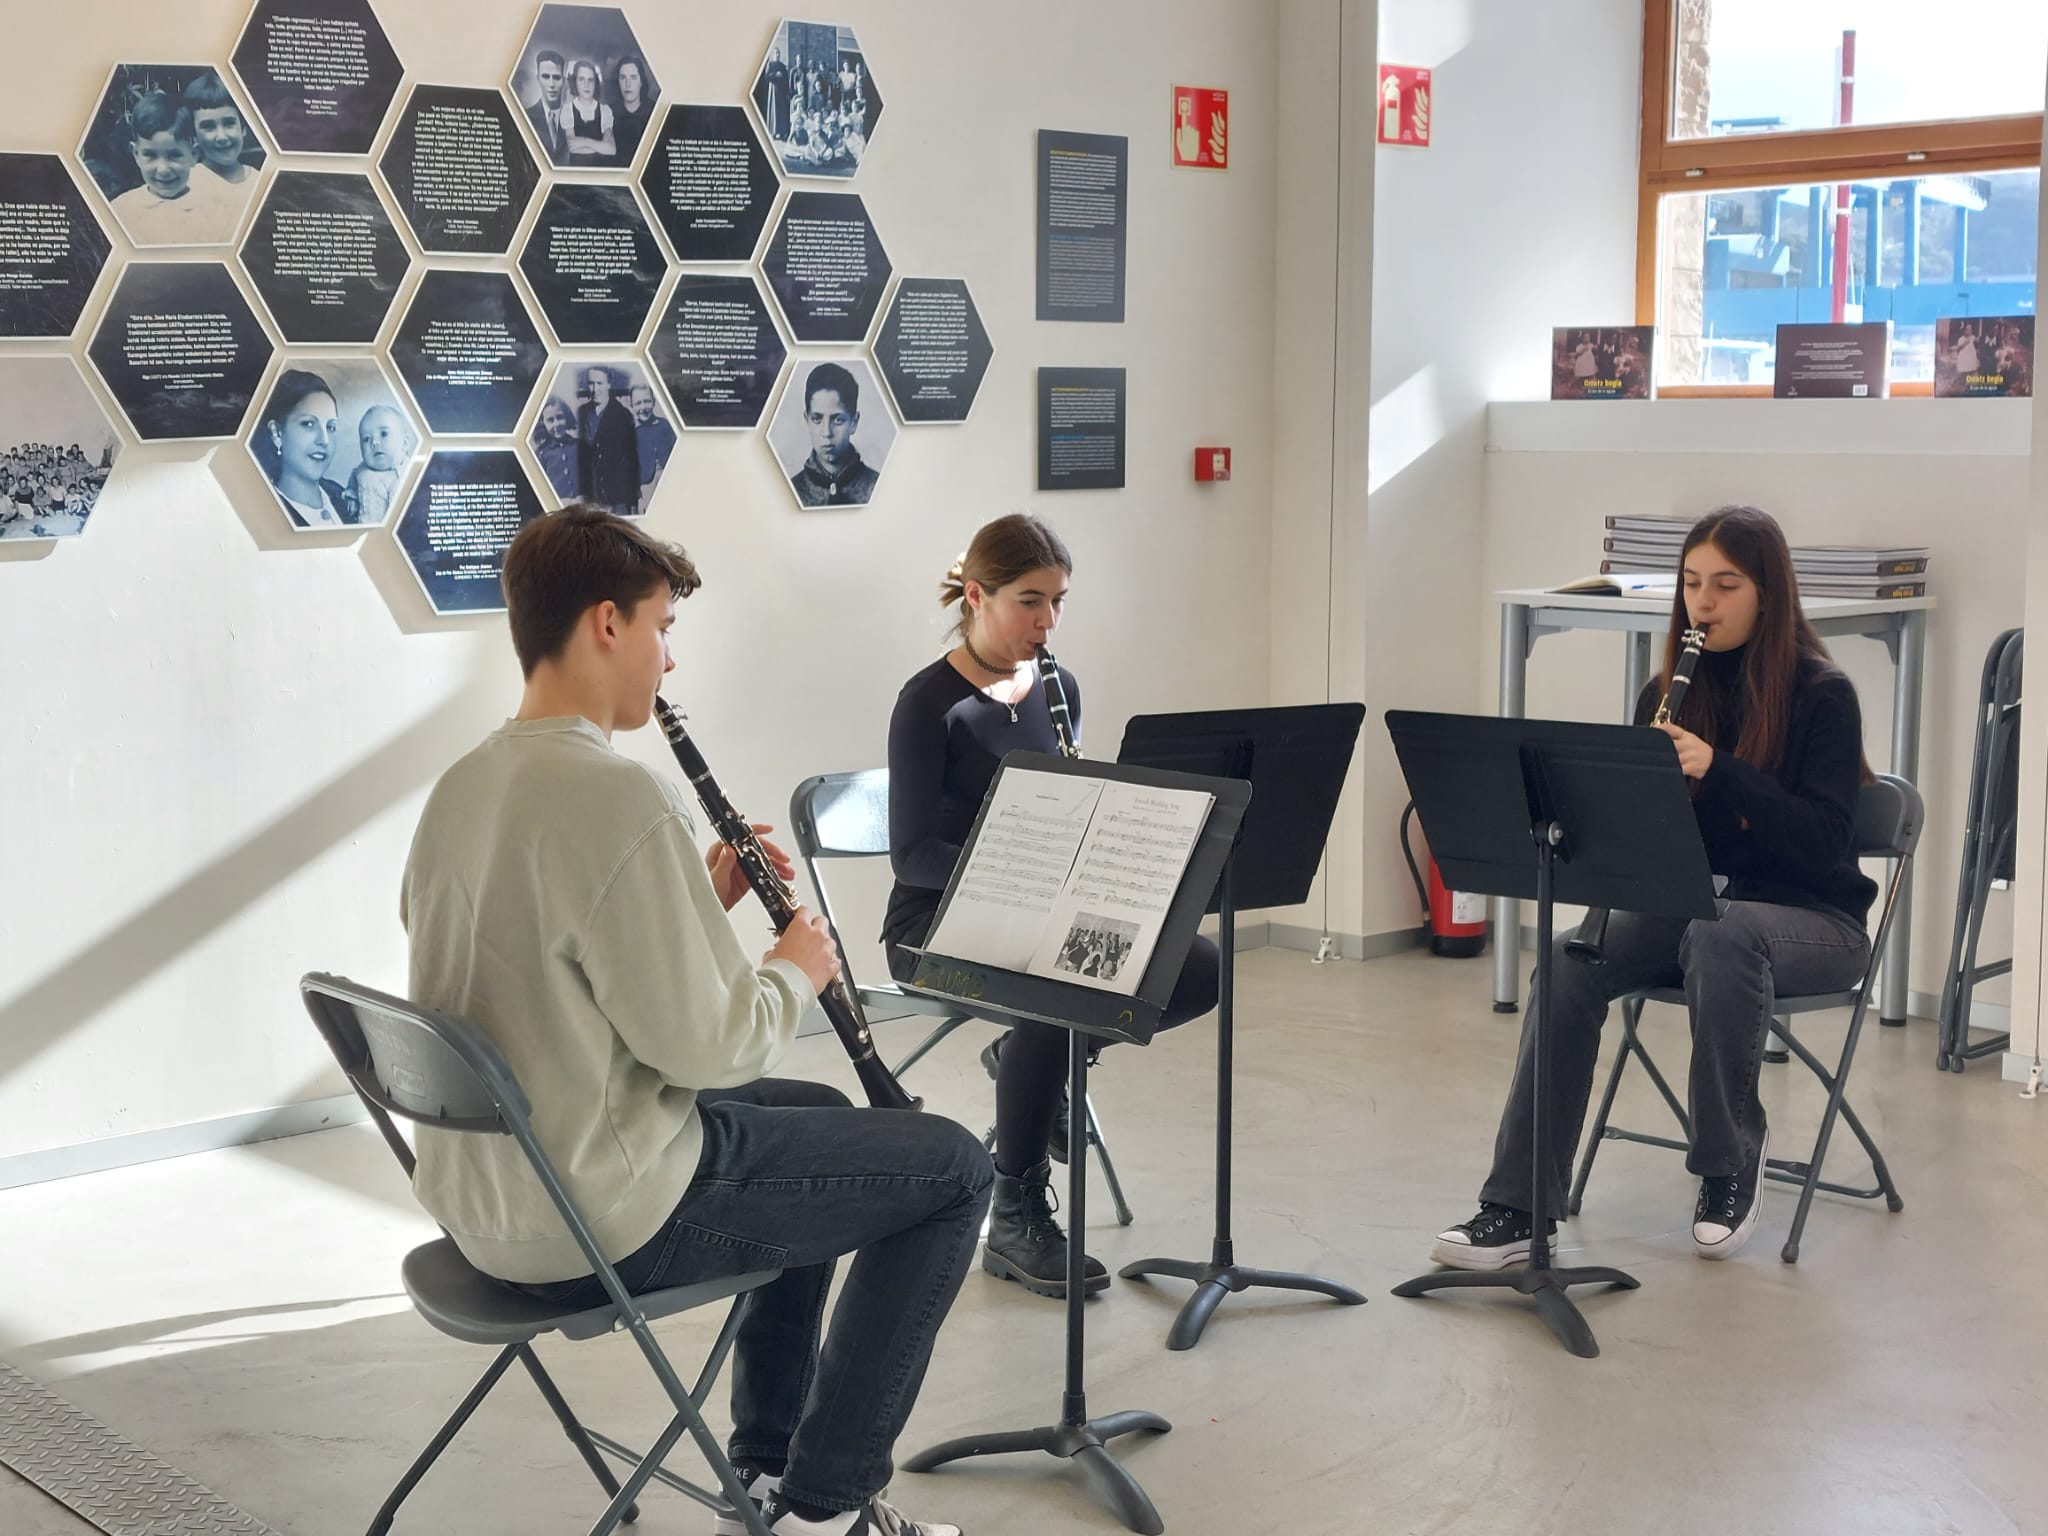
(1010, 547)
(561, 567)
(1782, 642)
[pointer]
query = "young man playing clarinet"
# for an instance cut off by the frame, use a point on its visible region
(555, 895)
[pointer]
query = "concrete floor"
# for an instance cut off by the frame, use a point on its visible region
(239, 1315)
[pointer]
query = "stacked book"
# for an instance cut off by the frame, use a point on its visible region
(1865, 572)
(1643, 541)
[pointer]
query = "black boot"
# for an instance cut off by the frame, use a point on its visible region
(1025, 1243)
(1056, 1149)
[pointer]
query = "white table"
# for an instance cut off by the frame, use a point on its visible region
(1528, 615)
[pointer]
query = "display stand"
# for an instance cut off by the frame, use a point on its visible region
(991, 992)
(1295, 759)
(1597, 815)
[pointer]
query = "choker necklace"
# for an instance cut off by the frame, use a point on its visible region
(975, 656)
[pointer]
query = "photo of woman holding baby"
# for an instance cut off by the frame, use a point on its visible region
(335, 444)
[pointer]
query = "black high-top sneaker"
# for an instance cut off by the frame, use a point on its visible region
(1497, 1237)
(1725, 1214)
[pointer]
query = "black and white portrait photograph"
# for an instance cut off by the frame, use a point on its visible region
(180, 349)
(718, 351)
(469, 351)
(817, 99)
(320, 74)
(325, 256)
(336, 442)
(174, 152)
(711, 185)
(459, 170)
(603, 432)
(1096, 947)
(57, 449)
(827, 267)
(593, 263)
(832, 432)
(459, 521)
(52, 249)
(585, 88)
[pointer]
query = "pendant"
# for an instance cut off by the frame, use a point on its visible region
(1013, 714)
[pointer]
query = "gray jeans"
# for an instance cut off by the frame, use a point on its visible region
(1732, 971)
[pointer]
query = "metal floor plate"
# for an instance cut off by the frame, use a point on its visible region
(85, 1466)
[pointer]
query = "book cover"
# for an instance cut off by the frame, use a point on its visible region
(1833, 362)
(1610, 362)
(1983, 356)
(1863, 591)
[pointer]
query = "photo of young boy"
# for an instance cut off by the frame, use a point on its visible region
(174, 153)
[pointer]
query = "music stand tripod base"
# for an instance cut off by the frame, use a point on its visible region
(1546, 1286)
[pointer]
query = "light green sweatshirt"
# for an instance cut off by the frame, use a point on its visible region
(555, 896)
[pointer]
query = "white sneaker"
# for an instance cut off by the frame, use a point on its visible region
(1726, 1212)
(877, 1517)
(759, 1486)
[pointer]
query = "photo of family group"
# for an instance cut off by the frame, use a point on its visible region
(1601, 363)
(56, 451)
(174, 153)
(1096, 946)
(335, 443)
(816, 99)
(1984, 355)
(585, 87)
(603, 435)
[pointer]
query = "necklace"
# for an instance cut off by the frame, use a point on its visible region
(975, 656)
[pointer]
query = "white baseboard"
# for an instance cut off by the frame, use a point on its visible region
(2015, 1066)
(180, 1140)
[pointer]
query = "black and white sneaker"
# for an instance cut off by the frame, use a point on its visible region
(877, 1517)
(760, 1487)
(1497, 1237)
(1726, 1213)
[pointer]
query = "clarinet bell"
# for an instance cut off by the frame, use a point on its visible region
(1587, 945)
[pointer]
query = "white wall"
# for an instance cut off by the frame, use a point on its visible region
(217, 742)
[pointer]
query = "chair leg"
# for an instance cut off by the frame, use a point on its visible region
(1108, 1165)
(924, 1046)
(572, 1427)
(1837, 1082)
(439, 1443)
(1599, 1131)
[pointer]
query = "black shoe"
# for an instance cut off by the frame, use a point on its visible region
(1726, 1212)
(1056, 1149)
(761, 1487)
(877, 1517)
(1025, 1243)
(1498, 1236)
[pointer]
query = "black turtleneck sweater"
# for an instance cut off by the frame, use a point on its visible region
(1798, 847)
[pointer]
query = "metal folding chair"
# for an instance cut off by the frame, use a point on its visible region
(1990, 838)
(441, 1071)
(846, 816)
(1889, 814)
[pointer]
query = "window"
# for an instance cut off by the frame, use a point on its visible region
(1770, 127)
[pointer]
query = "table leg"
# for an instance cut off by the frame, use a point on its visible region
(1507, 913)
(1906, 691)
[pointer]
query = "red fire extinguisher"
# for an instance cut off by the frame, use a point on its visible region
(1456, 921)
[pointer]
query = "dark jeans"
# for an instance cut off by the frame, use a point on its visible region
(1732, 970)
(791, 1178)
(1032, 1068)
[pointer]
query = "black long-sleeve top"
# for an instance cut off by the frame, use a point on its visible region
(946, 739)
(1798, 848)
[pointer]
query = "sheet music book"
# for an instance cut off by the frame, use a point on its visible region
(1071, 877)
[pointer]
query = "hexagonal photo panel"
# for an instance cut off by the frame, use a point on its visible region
(933, 350)
(175, 154)
(325, 256)
(827, 266)
(583, 83)
(709, 182)
(593, 263)
(337, 441)
(320, 73)
(52, 249)
(459, 170)
(817, 99)
(717, 350)
(832, 432)
(57, 448)
(180, 349)
(460, 520)
(469, 352)
(603, 433)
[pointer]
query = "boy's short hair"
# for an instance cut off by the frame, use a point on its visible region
(206, 91)
(561, 566)
(832, 376)
(156, 113)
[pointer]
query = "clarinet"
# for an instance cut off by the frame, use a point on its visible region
(1588, 942)
(1056, 703)
(880, 1085)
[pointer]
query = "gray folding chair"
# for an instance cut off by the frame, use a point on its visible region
(441, 1071)
(1888, 819)
(1990, 837)
(846, 816)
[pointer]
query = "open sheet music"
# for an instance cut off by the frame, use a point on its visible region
(1070, 877)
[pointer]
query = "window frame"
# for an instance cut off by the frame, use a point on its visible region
(1900, 150)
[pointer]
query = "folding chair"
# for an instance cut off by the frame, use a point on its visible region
(1990, 835)
(1888, 819)
(439, 1070)
(846, 816)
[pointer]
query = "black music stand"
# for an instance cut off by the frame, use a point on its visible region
(1591, 814)
(989, 992)
(1296, 758)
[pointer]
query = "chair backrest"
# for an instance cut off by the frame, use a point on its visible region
(438, 1070)
(1889, 815)
(842, 815)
